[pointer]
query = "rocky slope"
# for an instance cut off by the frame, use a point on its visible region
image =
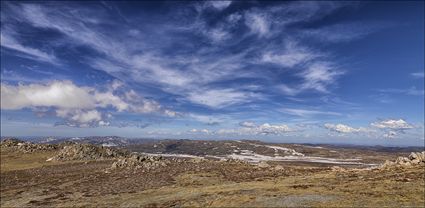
(88, 152)
(414, 159)
(26, 147)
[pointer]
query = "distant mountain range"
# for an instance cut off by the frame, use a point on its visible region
(109, 141)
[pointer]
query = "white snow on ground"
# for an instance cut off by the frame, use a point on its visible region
(109, 145)
(317, 147)
(277, 148)
(76, 138)
(250, 156)
(173, 155)
(255, 158)
(286, 150)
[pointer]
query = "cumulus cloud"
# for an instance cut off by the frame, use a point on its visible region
(77, 105)
(81, 118)
(203, 131)
(341, 128)
(60, 94)
(251, 128)
(247, 124)
(390, 128)
(392, 124)
(267, 129)
(390, 134)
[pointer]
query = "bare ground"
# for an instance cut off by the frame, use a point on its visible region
(27, 180)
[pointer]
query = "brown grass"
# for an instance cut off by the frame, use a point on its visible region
(28, 180)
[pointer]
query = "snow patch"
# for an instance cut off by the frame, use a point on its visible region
(173, 155)
(256, 158)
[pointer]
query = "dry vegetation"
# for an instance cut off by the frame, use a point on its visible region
(27, 179)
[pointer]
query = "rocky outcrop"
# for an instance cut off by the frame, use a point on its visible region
(139, 162)
(26, 147)
(263, 164)
(414, 159)
(88, 152)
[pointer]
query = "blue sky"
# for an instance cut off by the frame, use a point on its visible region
(323, 72)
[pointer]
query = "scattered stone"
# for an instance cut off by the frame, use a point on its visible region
(263, 164)
(278, 167)
(139, 162)
(88, 152)
(197, 160)
(26, 147)
(337, 169)
(415, 158)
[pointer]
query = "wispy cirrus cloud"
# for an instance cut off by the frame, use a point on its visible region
(9, 42)
(345, 32)
(410, 91)
(216, 62)
(183, 75)
(418, 75)
(307, 112)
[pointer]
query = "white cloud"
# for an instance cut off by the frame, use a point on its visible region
(32, 53)
(60, 94)
(419, 75)
(234, 18)
(219, 4)
(287, 90)
(341, 128)
(247, 124)
(345, 32)
(203, 131)
(272, 129)
(392, 127)
(208, 119)
(319, 75)
(217, 34)
(250, 128)
(307, 113)
(291, 56)
(258, 23)
(286, 59)
(81, 118)
(78, 105)
(411, 91)
(392, 124)
(138, 59)
(390, 134)
(218, 98)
